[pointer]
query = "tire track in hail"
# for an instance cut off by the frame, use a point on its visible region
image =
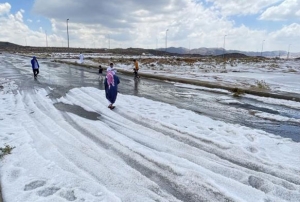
(218, 150)
(68, 155)
(164, 176)
(95, 108)
(166, 183)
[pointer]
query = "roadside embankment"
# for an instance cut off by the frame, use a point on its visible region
(263, 92)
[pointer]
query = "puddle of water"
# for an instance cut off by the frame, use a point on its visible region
(77, 110)
(252, 107)
(287, 131)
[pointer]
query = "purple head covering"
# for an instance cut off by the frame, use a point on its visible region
(110, 78)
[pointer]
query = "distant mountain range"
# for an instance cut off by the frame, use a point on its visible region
(220, 51)
(180, 50)
(8, 45)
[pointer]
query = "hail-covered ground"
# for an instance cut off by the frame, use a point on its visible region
(142, 150)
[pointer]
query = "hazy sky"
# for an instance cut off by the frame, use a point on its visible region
(250, 25)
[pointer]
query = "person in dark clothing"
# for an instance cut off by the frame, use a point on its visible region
(35, 66)
(111, 87)
(100, 71)
(136, 69)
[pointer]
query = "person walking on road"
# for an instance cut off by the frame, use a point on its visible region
(111, 86)
(136, 69)
(35, 66)
(111, 68)
(81, 57)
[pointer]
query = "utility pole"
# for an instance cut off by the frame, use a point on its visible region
(68, 32)
(224, 46)
(166, 40)
(262, 48)
(288, 53)
(46, 38)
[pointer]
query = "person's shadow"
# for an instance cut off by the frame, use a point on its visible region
(100, 78)
(136, 86)
(35, 79)
(101, 82)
